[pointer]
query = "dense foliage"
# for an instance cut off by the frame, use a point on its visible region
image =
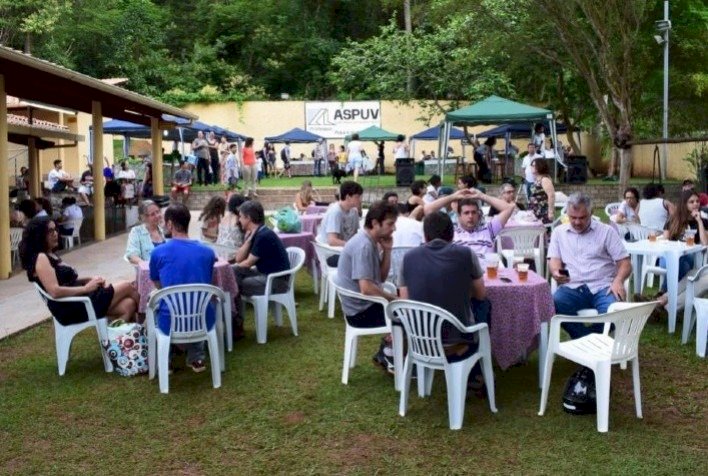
(563, 54)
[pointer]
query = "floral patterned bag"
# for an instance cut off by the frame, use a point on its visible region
(127, 348)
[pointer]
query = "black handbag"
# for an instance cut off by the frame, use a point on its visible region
(579, 396)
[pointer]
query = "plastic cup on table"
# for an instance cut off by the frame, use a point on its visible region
(653, 234)
(522, 270)
(690, 237)
(492, 261)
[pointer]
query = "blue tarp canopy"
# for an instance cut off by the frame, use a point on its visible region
(434, 134)
(296, 136)
(189, 131)
(517, 130)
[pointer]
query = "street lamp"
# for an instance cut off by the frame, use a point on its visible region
(663, 27)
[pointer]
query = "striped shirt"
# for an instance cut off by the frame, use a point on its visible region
(480, 239)
(590, 257)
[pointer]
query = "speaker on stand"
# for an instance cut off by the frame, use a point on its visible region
(405, 172)
(576, 169)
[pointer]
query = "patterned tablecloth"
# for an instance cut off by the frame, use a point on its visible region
(316, 209)
(223, 277)
(518, 309)
(311, 222)
(303, 241)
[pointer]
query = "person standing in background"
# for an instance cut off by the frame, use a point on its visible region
(249, 168)
(285, 156)
(214, 158)
(200, 148)
(223, 154)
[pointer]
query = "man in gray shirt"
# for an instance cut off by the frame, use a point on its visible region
(341, 221)
(364, 265)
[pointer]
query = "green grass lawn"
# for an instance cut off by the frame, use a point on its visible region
(283, 409)
(387, 181)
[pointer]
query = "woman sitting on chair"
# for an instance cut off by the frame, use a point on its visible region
(146, 236)
(306, 196)
(687, 219)
(44, 267)
(212, 213)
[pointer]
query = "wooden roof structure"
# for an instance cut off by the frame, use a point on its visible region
(32, 79)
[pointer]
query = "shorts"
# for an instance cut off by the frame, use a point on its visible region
(180, 189)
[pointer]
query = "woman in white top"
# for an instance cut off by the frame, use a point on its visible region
(400, 149)
(628, 211)
(354, 156)
(654, 211)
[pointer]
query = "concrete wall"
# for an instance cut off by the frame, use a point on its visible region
(643, 155)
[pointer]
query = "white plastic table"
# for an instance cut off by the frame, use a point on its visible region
(671, 251)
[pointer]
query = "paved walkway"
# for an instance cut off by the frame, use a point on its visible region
(20, 305)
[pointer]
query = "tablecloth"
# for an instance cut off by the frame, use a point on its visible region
(316, 209)
(311, 222)
(223, 277)
(301, 240)
(518, 309)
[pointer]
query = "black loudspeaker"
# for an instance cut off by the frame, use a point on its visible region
(577, 171)
(405, 172)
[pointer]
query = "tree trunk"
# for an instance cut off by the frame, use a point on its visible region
(409, 31)
(625, 155)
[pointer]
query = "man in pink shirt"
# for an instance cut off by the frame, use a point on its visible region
(589, 263)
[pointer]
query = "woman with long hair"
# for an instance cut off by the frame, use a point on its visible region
(146, 236)
(37, 252)
(686, 219)
(230, 231)
(306, 196)
(211, 215)
(542, 198)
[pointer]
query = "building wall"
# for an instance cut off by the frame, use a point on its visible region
(643, 159)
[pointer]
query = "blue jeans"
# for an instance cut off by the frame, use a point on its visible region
(569, 301)
(685, 265)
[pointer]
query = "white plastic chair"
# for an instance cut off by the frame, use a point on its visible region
(649, 267)
(611, 208)
(327, 293)
(529, 242)
(397, 254)
(63, 335)
(423, 325)
(187, 304)
(15, 238)
(352, 334)
(701, 307)
(285, 299)
(68, 240)
(600, 351)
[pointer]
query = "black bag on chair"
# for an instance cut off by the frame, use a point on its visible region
(579, 396)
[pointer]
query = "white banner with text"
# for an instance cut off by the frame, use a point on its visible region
(334, 119)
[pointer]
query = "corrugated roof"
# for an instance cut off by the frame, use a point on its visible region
(35, 79)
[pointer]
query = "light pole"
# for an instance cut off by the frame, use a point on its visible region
(664, 26)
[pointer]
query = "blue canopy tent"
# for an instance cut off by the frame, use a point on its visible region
(433, 134)
(184, 132)
(295, 136)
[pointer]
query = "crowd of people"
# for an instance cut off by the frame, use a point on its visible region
(448, 232)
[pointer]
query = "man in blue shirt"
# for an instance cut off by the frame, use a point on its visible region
(261, 248)
(182, 261)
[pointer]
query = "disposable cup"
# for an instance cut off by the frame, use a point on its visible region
(523, 271)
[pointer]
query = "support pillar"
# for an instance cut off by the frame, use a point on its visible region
(158, 184)
(33, 163)
(99, 200)
(5, 261)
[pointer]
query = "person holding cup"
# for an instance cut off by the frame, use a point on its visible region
(686, 224)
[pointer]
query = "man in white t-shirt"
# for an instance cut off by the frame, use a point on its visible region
(58, 179)
(527, 165)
